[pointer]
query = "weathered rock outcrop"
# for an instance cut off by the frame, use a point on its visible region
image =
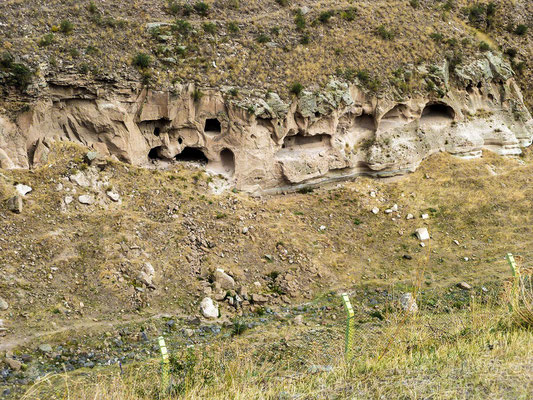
(265, 144)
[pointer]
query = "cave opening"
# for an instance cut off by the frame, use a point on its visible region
(228, 161)
(438, 110)
(212, 125)
(157, 131)
(155, 153)
(192, 154)
(300, 141)
(365, 121)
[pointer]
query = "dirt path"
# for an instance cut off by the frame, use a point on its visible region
(6, 345)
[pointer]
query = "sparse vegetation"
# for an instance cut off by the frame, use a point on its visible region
(299, 20)
(325, 16)
(66, 27)
(142, 60)
(296, 88)
(384, 33)
(520, 30)
(46, 40)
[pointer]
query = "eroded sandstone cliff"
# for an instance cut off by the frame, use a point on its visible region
(264, 144)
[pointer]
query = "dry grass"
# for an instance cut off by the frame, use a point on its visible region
(471, 354)
(337, 48)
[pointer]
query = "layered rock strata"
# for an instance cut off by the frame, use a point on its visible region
(264, 144)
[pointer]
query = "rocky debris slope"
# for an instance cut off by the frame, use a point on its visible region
(262, 143)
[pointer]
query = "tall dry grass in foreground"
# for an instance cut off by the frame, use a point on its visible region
(476, 354)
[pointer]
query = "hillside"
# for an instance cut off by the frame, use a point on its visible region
(225, 173)
(70, 268)
(264, 44)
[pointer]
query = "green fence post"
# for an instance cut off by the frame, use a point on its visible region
(350, 326)
(516, 278)
(164, 365)
(512, 264)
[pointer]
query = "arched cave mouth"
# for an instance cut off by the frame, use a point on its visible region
(155, 154)
(192, 154)
(397, 112)
(396, 116)
(212, 125)
(438, 111)
(227, 159)
(365, 121)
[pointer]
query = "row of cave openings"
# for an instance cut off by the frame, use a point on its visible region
(433, 113)
(212, 127)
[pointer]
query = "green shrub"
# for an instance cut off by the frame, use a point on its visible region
(436, 36)
(484, 46)
(275, 30)
(92, 8)
(299, 20)
(283, 3)
(19, 75)
(233, 27)
(363, 75)
(46, 40)
(142, 60)
(84, 68)
(262, 38)
(234, 92)
(91, 50)
(414, 3)
(296, 88)
(238, 327)
(181, 26)
(173, 8)
(520, 30)
(305, 39)
(349, 14)
(448, 6)
(325, 16)
(66, 27)
(491, 9)
(209, 27)
(511, 52)
(201, 8)
(385, 34)
(74, 53)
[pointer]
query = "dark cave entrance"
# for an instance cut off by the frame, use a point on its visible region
(438, 110)
(155, 153)
(192, 154)
(212, 125)
(228, 161)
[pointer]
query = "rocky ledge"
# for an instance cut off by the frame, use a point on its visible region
(264, 144)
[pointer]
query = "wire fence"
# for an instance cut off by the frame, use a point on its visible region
(340, 330)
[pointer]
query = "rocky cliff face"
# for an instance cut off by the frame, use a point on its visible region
(264, 144)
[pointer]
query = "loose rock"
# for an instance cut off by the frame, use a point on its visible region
(464, 286)
(3, 304)
(113, 196)
(45, 348)
(209, 308)
(422, 234)
(86, 199)
(22, 189)
(14, 204)
(226, 282)
(13, 364)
